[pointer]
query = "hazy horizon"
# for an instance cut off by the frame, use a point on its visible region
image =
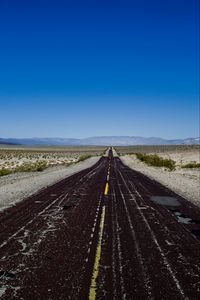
(99, 136)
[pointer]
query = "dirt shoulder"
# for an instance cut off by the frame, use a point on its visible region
(185, 182)
(15, 187)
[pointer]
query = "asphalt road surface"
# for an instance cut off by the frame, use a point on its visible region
(107, 232)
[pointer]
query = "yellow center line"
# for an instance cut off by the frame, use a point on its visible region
(93, 286)
(106, 189)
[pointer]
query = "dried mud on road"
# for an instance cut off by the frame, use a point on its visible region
(107, 232)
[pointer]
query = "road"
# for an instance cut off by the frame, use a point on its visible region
(107, 232)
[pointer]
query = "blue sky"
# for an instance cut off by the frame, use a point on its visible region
(86, 68)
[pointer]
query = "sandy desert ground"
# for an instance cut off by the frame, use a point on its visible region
(17, 186)
(60, 163)
(15, 159)
(184, 181)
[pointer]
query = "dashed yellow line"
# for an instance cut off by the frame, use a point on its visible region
(106, 189)
(93, 286)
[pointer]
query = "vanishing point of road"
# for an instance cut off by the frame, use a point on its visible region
(107, 232)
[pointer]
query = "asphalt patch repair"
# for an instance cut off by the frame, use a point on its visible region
(165, 200)
(173, 203)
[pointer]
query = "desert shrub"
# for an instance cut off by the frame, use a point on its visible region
(141, 156)
(41, 166)
(155, 160)
(32, 167)
(83, 157)
(5, 172)
(192, 165)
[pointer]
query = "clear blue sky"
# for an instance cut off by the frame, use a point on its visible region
(85, 68)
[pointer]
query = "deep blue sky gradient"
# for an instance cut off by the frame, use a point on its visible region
(84, 68)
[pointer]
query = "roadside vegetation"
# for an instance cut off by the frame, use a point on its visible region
(155, 160)
(5, 172)
(124, 150)
(84, 157)
(26, 167)
(191, 165)
(38, 159)
(169, 156)
(34, 167)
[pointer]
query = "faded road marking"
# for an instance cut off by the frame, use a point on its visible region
(93, 286)
(165, 260)
(106, 189)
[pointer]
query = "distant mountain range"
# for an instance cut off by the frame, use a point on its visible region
(98, 141)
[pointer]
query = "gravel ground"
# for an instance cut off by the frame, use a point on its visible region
(15, 187)
(185, 182)
(182, 157)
